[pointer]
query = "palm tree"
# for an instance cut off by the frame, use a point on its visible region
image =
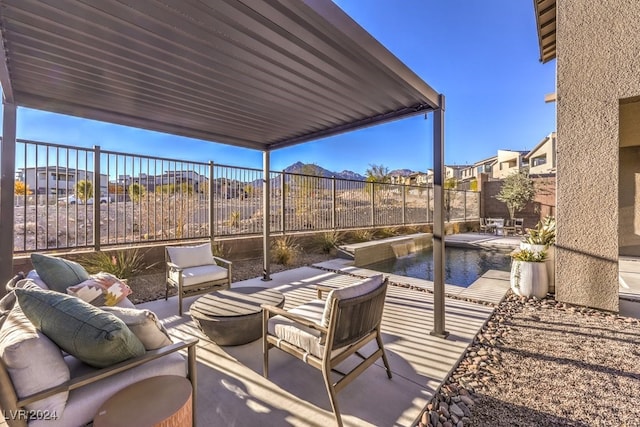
(136, 192)
(84, 190)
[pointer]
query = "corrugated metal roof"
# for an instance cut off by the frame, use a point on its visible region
(257, 74)
(546, 24)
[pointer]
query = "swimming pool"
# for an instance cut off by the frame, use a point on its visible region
(462, 266)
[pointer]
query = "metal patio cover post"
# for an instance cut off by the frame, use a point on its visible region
(260, 74)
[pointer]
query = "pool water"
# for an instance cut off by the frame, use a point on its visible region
(462, 266)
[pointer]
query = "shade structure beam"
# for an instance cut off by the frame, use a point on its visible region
(266, 216)
(438, 223)
(7, 182)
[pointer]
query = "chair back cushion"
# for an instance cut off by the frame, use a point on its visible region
(360, 288)
(191, 256)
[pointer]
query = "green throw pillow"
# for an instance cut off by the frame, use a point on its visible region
(92, 335)
(58, 273)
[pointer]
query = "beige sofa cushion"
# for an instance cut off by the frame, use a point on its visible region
(144, 324)
(33, 361)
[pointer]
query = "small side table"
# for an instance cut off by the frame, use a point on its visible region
(163, 401)
(234, 316)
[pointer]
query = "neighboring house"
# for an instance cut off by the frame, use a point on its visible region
(398, 179)
(598, 142)
(57, 179)
(508, 162)
(454, 171)
(150, 182)
(422, 179)
(542, 159)
(483, 166)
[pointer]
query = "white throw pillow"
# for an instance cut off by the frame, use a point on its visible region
(33, 362)
(191, 256)
(144, 324)
(359, 288)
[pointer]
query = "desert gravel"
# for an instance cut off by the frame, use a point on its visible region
(543, 363)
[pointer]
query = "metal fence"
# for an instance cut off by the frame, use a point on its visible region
(69, 197)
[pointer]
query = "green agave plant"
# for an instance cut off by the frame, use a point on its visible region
(528, 256)
(122, 264)
(543, 234)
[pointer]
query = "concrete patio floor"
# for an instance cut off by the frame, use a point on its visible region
(233, 392)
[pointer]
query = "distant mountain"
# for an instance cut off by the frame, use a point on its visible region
(401, 172)
(299, 167)
(345, 174)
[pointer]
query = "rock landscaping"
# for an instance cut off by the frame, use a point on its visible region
(544, 363)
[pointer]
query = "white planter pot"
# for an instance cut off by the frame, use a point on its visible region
(529, 279)
(550, 262)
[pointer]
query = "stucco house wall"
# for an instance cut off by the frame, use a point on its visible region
(598, 67)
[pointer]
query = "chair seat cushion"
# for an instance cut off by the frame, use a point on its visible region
(196, 275)
(301, 336)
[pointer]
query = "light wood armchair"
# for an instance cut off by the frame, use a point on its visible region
(193, 270)
(352, 318)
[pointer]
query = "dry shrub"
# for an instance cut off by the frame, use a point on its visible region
(284, 250)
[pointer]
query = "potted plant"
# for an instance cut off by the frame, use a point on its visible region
(528, 273)
(542, 238)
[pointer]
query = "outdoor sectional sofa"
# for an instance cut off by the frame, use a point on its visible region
(55, 388)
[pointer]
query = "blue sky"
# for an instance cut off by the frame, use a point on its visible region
(483, 56)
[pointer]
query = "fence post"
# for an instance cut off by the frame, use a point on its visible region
(283, 204)
(404, 203)
(212, 205)
(333, 202)
(373, 204)
(96, 198)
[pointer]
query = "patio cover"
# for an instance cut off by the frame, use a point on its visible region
(546, 26)
(256, 74)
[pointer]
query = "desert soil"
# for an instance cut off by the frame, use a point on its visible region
(151, 285)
